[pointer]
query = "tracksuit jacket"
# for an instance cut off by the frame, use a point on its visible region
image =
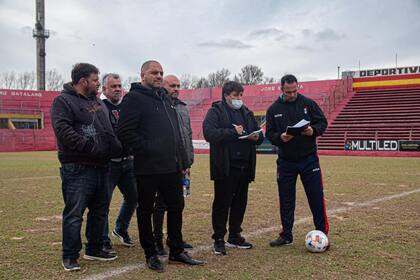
(282, 114)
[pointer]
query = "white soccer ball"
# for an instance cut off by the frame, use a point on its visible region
(316, 241)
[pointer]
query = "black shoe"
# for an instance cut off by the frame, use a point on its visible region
(185, 245)
(280, 242)
(123, 237)
(161, 250)
(107, 247)
(219, 247)
(100, 256)
(185, 258)
(71, 264)
(238, 242)
(155, 264)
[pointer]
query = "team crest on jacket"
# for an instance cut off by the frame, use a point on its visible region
(305, 110)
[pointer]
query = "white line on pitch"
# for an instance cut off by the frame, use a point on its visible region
(128, 268)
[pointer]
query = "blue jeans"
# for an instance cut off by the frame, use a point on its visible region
(122, 175)
(83, 186)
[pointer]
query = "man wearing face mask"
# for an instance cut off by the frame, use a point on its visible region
(297, 155)
(232, 164)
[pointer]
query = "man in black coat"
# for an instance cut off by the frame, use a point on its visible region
(297, 155)
(148, 127)
(232, 163)
(86, 142)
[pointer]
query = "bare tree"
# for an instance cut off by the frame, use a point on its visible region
(218, 78)
(25, 80)
(268, 80)
(186, 81)
(200, 83)
(54, 80)
(131, 79)
(8, 80)
(251, 75)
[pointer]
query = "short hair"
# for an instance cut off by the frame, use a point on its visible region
(231, 86)
(146, 65)
(82, 70)
(105, 78)
(289, 79)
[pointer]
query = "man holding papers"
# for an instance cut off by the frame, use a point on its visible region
(293, 123)
(233, 133)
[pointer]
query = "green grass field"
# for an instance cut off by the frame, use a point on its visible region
(374, 218)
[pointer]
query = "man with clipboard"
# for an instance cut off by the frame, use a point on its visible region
(293, 124)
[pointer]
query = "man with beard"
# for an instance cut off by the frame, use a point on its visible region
(149, 126)
(86, 142)
(171, 84)
(297, 155)
(121, 168)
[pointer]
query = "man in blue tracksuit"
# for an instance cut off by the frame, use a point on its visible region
(297, 155)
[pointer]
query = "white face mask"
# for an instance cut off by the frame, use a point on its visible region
(237, 103)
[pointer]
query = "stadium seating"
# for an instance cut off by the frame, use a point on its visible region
(375, 115)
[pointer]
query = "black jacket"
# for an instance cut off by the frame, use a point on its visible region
(148, 128)
(219, 132)
(83, 129)
(281, 114)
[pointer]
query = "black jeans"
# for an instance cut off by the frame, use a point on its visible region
(170, 187)
(122, 175)
(230, 199)
(83, 186)
(158, 216)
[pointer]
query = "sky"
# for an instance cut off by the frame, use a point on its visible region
(307, 38)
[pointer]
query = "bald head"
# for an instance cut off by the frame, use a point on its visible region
(171, 84)
(151, 74)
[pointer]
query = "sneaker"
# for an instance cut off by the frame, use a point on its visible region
(100, 256)
(107, 247)
(71, 264)
(155, 264)
(238, 242)
(161, 250)
(123, 237)
(219, 247)
(280, 242)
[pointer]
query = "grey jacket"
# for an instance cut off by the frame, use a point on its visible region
(185, 128)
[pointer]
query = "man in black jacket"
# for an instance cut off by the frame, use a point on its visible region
(232, 163)
(85, 142)
(148, 126)
(297, 155)
(121, 167)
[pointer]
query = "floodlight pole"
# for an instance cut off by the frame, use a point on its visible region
(40, 34)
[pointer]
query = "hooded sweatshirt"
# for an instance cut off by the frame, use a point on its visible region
(82, 127)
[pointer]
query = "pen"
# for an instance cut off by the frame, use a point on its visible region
(235, 125)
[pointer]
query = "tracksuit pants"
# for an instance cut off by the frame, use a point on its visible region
(311, 177)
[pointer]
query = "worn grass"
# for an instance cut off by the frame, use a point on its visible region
(381, 241)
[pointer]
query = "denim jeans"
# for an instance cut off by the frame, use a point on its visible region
(122, 175)
(83, 186)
